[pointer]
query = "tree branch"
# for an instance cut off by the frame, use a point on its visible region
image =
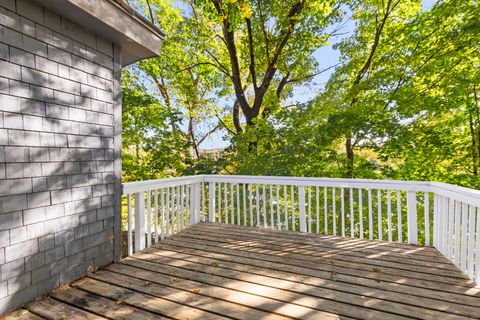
(264, 30)
(308, 76)
(229, 36)
(287, 32)
(208, 134)
(225, 126)
(251, 54)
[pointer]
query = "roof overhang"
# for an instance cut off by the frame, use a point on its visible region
(113, 20)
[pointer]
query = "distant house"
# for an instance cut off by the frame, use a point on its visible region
(60, 137)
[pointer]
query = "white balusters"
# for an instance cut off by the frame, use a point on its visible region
(342, 210)
(334, 212)
(161, 208)
(352, 215)
(370, 214)
(301, 206)
(380, 218)
(426, 208)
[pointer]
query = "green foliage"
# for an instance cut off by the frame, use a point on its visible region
(402, 104)
(150, 149)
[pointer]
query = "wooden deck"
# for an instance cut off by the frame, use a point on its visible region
(217, 271)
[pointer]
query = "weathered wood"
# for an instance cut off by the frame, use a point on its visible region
(221, 285)
(271, 307)
(52, 309)
(102, 306)
(355, 265)
(302, 284)
(22, 314)
(421, 308)
(421, 253)
(308, 247)
(340, 244)
(328, 266)
(216, 271)
(140, 300)
(402, 247)
(306, 275)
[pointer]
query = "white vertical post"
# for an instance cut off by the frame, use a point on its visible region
(426, 204)
(457, 219)
(325, 210)
(225, 201)
(211, 202)
(279, 223)
(238, 204)
(352, 215)
(294, 227)
(195, 194)
(155, 218)
(309, 209)
(232, 212)
(477, 246)
(389, 216)
(202, 195)
(370, 215)
(264, 207)
(244, 205)
(162, 208)
(360, 211)
(463, 244)
(435, 220)
(257, 205)
(301, 207)
(380, 218)
(250, 202)
(342, 210)
(129, 224)
(399, 216)
(452, 225)
(139, 221)
(334, 212)
(317, 206)
(272, 220)
(412, 217)
(149, 218)
(470, 240)
(167, 213)
(183, 213)
(188, 205)
(285, 203)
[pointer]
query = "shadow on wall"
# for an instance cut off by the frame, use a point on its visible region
(56, 191)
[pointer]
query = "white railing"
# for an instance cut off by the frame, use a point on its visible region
(423, 213)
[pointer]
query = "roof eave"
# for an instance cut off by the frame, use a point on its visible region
(114, 21)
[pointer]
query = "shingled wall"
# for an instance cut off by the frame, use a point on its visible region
(56, 151)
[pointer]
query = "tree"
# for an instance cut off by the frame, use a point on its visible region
(150, 149)
(183, 77)
(269, 46)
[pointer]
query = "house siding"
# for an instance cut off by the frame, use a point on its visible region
(57, 155)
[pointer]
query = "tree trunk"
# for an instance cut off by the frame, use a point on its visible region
(350, 157)
(191, 134)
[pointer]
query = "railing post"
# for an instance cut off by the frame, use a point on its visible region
(412, 217)
(195, 213)
(211, 202)
(139, 221)
(301, 207)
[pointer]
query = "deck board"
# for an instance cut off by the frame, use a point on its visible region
(218, 271)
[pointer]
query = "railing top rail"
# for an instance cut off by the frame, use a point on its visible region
(148, 185)
(466, 195)
(419, 186)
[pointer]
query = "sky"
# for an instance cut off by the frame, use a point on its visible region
(326, 56)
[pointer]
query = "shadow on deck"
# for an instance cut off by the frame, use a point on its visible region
(211, 271)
